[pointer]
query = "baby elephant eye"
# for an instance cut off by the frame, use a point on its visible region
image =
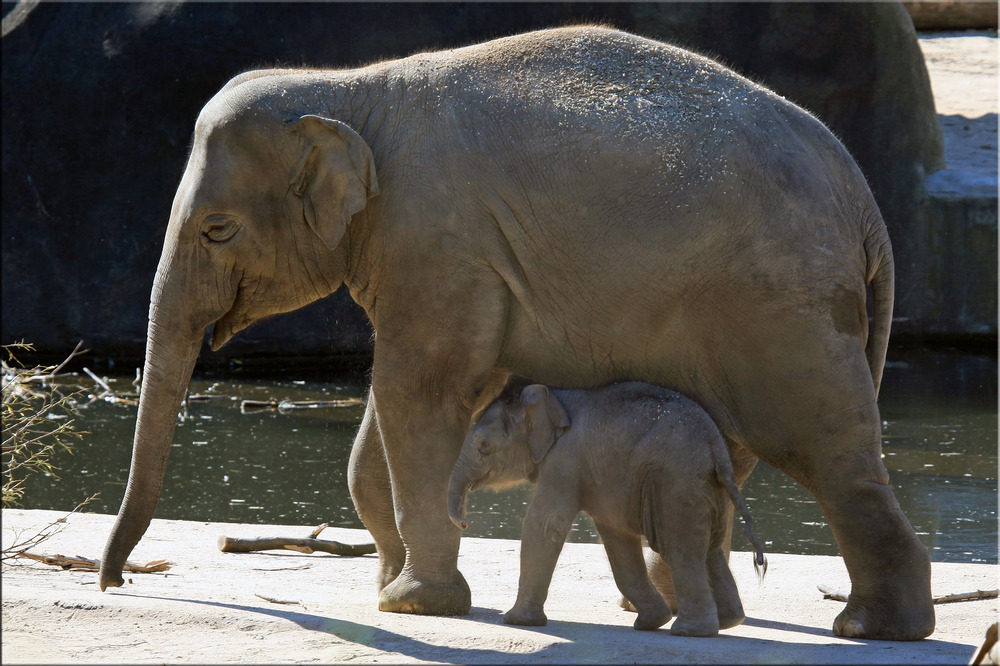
(220, 228)
(485, 448)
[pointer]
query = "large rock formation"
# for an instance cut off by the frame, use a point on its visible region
(99, 102)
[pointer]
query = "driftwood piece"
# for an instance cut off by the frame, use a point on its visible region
(278, 601)
(966, 596)
(285, 405)
(205, 397)
(78, 563)
(307, 545)
(837, 595)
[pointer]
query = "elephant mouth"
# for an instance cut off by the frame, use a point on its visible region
(226, 327)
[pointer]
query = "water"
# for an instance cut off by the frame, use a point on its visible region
(289, 467)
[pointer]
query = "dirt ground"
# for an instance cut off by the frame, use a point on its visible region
(272, 607)
(211, 607)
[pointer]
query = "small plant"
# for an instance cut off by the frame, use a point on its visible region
(37, 423)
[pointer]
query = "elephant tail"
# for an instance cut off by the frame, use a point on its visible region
(724, 473)
(759, 561)
(880, 274)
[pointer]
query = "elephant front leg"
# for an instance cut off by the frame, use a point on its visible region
(368, 480)
(424, 447)
(546, 526)
(433, 359)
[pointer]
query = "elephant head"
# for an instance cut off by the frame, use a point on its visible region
(243, 242)
(506, 445)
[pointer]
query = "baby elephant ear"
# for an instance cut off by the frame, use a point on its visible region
(545, 419)
(335, 175)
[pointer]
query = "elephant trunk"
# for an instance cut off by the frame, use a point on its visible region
(463, 479)
(170, 359)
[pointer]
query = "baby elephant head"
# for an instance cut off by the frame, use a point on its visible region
(506, 445)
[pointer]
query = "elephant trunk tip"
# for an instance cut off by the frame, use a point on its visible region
(108, 580)
(460, 523)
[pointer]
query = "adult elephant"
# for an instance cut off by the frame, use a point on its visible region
(577, 206)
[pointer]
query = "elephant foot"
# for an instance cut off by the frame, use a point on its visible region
(731, 618)
(899, 623)
(626, 605)
(653, 618)
(702, 627)
(730, 610)
(405, 594)
(525, 617)
(385, 575)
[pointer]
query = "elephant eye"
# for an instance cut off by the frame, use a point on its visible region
(485, 448)
(220, 228)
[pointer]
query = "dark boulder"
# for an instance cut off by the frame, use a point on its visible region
(99, 102)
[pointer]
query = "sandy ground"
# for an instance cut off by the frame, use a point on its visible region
(206, 608)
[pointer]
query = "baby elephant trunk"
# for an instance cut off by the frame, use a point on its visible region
(461, 482)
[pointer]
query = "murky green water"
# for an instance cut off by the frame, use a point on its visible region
(289, 466)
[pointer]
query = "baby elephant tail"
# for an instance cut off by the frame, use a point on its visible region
(724, 471)
(759, 561)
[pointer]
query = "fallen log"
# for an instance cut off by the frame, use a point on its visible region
(79, 563)
(307, 545)
(837, 595)
(285, 405)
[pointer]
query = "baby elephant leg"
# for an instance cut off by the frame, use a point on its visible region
(684, 546)
(724, 591)
(546, 526)
(625, 554)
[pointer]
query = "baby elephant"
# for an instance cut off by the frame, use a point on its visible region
(641, 461)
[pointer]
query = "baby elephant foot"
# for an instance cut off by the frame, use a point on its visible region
(730, 612)
(653, 617)
(625, 604)
(702, 627)
(526, 617)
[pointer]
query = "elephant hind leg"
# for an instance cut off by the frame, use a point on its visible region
(662, 579)
(625, 555)
(889, 567)
(813, 414)
(659, 571)
(368, 480)
(729, 607)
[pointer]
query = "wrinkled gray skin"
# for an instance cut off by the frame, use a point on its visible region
(638, 459)
(578, 206)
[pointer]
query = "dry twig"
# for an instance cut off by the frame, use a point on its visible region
(19, 546)
(278, 601)
(79, 563)
(837, 595)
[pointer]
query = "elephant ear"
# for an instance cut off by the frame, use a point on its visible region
(335, 175)
(545, 419)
